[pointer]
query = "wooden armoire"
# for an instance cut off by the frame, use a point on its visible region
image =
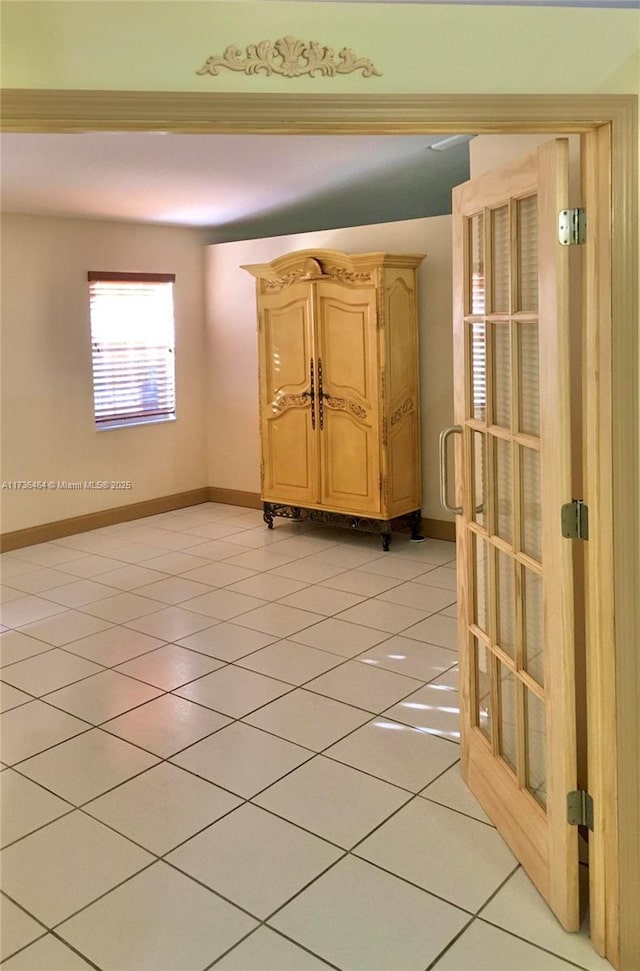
(339, 389)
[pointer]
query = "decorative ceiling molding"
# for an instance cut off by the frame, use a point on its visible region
(289, 58)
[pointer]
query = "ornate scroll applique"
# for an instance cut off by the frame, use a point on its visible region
(341, 404)
(405, 408)
(348, 276)
(290, 401)
(289, 58)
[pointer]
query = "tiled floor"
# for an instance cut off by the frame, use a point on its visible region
(229, 747)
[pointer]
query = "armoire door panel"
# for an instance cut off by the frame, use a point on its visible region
(348, 383)
(402, 361)
(288, 475)
(350, 464)
(404, 470)
(287, 406)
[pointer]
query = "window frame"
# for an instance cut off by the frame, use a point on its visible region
(109, 419)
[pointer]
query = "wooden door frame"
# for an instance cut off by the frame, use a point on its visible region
(610, 368)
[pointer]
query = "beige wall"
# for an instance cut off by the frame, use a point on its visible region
(232, 403)
(429, 48)
(48, 431)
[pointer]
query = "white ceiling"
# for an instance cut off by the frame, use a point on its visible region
(230, 184)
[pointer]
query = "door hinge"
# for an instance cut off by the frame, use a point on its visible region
(572, 226)
(575, 520)
(580, 808)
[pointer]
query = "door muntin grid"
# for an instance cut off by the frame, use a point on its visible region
(502, 419)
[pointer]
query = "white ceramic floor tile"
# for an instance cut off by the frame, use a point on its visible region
(46, 554)
(218, 574)
(169, 667)
(213, 531)
(398, 567)
(166, 725)
(449, 790)
(434, 709)
(261, 559)
(35, 582)
(34, 727)
(451, 611)
(7, 594)
(267, 586)
(347, 556)
(26, 610)
(363, 686)
(136, 552)
(130, 577)
(91, 566)
(361, 919)
(66, 865)
(339, 637)
(102, 697)
(25, 807)
(66, 627)
(275, 618)
(228, 642)
(12, 697)
(290, 662)
(171, 623)
(265, 950)
(48, 953)
(308, 719)
(439, 630)
(441, 576)
(409, 657)
(332, 800)
(357, 581)
(430, 599)
(519, 908)
(79, 593)
(485, 948)
(434, 552)
(86, 766)
(223, 604)
(233, 691)
(255, 859)
(46, 672)
(391, 617)
(460, 859)
(123, 607)
(18, 929)
(12, 566)
(395, 753)
(242, 759)
(179, 563)
(165, 921)
(113, 645)
(173, 590)
(213, 549)
(16, 646)
(162, 807)
(322, 600)
(309, 570)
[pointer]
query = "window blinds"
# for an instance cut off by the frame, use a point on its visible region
(132, 339)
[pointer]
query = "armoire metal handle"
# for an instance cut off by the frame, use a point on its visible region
(313, 395)
(320, 395)
(444, 471)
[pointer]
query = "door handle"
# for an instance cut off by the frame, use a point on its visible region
(445, 435)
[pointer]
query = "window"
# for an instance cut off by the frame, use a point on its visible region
(132, 339)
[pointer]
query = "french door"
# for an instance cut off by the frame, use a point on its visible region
(515, 587)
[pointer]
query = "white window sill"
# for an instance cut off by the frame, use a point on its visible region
(134, 422)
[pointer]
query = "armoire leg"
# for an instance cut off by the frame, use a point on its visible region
(416, 525)
(267, 514)
(386, 541)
